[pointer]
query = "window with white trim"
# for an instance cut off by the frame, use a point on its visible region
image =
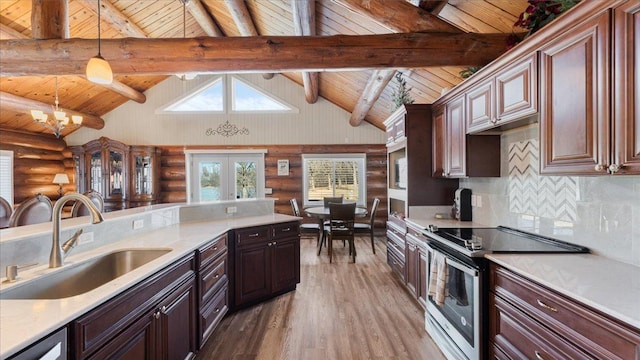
(6, 175)
(330, 175)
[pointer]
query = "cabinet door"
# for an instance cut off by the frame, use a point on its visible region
(177, 323)
(575, 88)
(439, 153)
(423, 268)
(517, 91)
(626, 91)
(144, 175)
(286, 264)
(481, 112)
(455, 164)
(252, 273)
(137, 342)
(411, 258)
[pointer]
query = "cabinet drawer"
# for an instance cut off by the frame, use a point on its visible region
(55, 343)
(211, 278)
(252, 235)
(395, 259)
(103, 323)
(212, 313)
(520, 337)
(394, 240)
(399, 127)
(589, 330)
(286, 230)
(212, 250)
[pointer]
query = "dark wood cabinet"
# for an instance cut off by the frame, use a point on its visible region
(416, 263)
(528, 320)
(396, 249)
(626, 90)
(213, 286)
(55, 343)
(150, 320)
(456, 147)
(266, 262)
(126, 176)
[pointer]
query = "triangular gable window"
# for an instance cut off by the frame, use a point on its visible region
(247, 98)
(208, 99)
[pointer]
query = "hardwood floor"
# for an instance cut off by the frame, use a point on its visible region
(338, 311)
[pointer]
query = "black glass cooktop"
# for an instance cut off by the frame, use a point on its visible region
(506, 240)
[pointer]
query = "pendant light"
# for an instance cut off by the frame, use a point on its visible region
(98, 69)
(186, 76)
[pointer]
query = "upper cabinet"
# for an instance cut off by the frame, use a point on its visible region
(588, 121)
(126, 176)
(510, 95)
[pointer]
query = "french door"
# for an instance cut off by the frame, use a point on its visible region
(224, 176)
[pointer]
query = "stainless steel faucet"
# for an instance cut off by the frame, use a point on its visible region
(57, 251)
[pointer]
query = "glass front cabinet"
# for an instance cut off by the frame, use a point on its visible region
(126, 176)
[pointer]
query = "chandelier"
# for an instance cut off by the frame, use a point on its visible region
(58, 121)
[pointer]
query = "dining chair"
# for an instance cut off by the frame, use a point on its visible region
(306, 228)
(5, 212)
(36, 210)
(367, 228)
(80, 209)
(341, 220)
(328, 200)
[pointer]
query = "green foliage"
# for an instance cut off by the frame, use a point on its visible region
(401, 95)
(468, 71)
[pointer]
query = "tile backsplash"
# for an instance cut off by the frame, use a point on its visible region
(600, 212)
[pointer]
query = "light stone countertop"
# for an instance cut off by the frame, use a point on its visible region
(607, 285)
(23, 322)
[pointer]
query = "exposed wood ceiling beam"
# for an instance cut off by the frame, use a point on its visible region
(50, 19)
(376, 84)
(398, 16)
(8, 33)
(202, 17)
(19, 104)
(244, 22)
(116, 86)
(304, 24)
(432, 6)
(252, 54)
(114, 17)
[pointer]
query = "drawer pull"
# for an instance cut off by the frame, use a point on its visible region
(254, 235)
(217, 310)
(550, 308)
(157, 315)
(287, 229)
(538, 356)
(217, 275)
(215, 248)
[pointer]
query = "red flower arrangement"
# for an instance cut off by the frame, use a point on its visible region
(538, 14)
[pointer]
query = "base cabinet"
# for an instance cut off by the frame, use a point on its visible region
(155, 319)
(266, 262)
(528, 320)
(213, 287)
(417, 266)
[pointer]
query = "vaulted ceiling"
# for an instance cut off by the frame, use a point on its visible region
(354, 74)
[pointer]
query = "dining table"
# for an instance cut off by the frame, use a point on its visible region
(322, 213)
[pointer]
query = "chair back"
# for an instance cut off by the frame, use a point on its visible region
(374, 208)
(5, 208)
(36, 210)
(80, 209)
(294, 206)
(341, 218)
(328, 200)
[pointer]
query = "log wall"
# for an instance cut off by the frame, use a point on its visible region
(174, 187)
(36, 160)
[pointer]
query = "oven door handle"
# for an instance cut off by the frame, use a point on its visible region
(452, 262)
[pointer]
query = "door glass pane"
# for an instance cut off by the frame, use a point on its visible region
(116, 178)
(246, 180)
(209, 175)
(143, 175)
(96, 172)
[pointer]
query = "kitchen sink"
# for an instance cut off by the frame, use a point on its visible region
(83, 277)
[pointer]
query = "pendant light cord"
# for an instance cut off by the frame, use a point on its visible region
(99, 29)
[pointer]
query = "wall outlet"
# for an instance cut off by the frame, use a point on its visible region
(474, 200)
(138, 224)
(232, 210)
(479, 201)
(85, 238)
(268, 191)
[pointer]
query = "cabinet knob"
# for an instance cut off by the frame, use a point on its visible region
(273, 243)
(215, 248)
(538, 356)
(217, 275)
(157, 315)
(614, 168)
(268, 244)
(163, 310)
(494, 121)
(600, 167)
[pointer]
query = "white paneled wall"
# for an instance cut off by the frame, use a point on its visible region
(319, 123)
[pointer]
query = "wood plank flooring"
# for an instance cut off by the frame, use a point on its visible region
(338, 311)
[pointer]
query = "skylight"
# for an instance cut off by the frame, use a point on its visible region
(247, 98)
(210, 98)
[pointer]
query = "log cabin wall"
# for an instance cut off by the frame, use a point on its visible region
(36, 160)
(173, 173)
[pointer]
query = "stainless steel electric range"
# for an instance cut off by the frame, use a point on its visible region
(459, 324)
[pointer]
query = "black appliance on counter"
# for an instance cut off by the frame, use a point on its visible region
(460, 325)
(462, 204)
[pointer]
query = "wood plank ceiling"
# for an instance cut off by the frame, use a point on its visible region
(232, 18)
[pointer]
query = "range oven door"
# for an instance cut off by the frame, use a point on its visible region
(455, 325)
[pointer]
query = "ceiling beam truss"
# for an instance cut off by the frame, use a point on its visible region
(304, 23)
